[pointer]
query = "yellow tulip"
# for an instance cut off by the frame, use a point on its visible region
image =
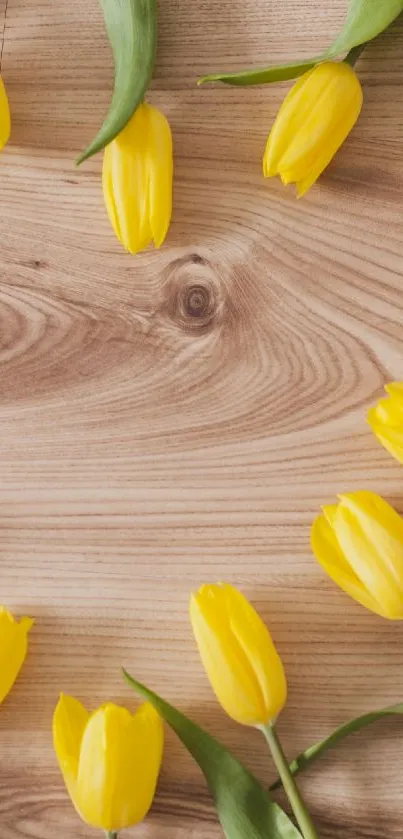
(386, 420)
(5, 120)
(110, 760)
(13, 649)
(137, 180)
(238, 654)
(359, 542)
(314, 120)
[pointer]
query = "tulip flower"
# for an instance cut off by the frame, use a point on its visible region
(5, 120)
(359, 542)
(314, 120)
(137, 180)
(13, 649)
(386, 420)
(246, 673)
(110, 760)
(238, 654)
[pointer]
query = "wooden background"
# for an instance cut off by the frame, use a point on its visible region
(179, 417)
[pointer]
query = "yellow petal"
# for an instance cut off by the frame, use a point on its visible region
(293, 111)
(5, 120)
(370, 534)
(13, 649)
(389, 410)
(125, 184)
(119, 765)
(390, 439)
(69, 721)
(160, 163)
(386, 413)
(255, 640)
(137, 180)
(395, 390)
(386, 420)
(327, 551)
(238, 654)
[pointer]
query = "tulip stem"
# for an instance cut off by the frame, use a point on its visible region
(299, 809)
(354, 54)
(111, 834)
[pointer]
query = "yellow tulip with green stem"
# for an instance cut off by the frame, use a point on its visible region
(246, 673)
(110, 761)
(137, 174)
(323, 106)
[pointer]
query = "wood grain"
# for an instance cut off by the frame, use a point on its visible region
(180, 416)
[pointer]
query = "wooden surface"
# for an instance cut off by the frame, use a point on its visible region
(147, 446)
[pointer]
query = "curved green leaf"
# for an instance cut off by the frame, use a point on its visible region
(310, 755)
(132, 31)
(365, 20)
(243, 805)
(262, 75)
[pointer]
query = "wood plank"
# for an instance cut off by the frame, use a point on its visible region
(145, 450)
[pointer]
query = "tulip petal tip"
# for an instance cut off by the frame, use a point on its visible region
(27, 624)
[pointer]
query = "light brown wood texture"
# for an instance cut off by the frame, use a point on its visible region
(179, 417)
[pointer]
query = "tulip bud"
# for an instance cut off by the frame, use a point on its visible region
(110, 760)
(137, 180)
(238, 654)
(359, 542)
(314, 120)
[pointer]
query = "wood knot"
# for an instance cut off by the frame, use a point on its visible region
(196, 301)
(193, 295)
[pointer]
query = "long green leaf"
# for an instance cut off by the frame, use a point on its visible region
(365, 20)
(263, 75)
(132, 31)
(243, 805)
(310, 755)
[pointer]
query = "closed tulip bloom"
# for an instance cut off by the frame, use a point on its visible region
(314, 120)
(13, 648)
(110, 760)
(137, 180)
(238, 654)
(359, 542)
(386, 420)
(5, 120)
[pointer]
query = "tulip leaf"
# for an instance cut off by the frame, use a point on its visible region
(313, 752)
(263, 75)
(132, 29)
(243, 805)
(365, 20)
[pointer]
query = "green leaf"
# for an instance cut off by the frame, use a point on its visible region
(263, 75)
(132, 31)
(243, 805)
(310, 755)
(365, 20)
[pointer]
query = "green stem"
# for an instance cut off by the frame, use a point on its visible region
(300, 811)
(111, 834)
(354, 54)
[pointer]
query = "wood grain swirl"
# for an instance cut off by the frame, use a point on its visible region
(180, 416)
